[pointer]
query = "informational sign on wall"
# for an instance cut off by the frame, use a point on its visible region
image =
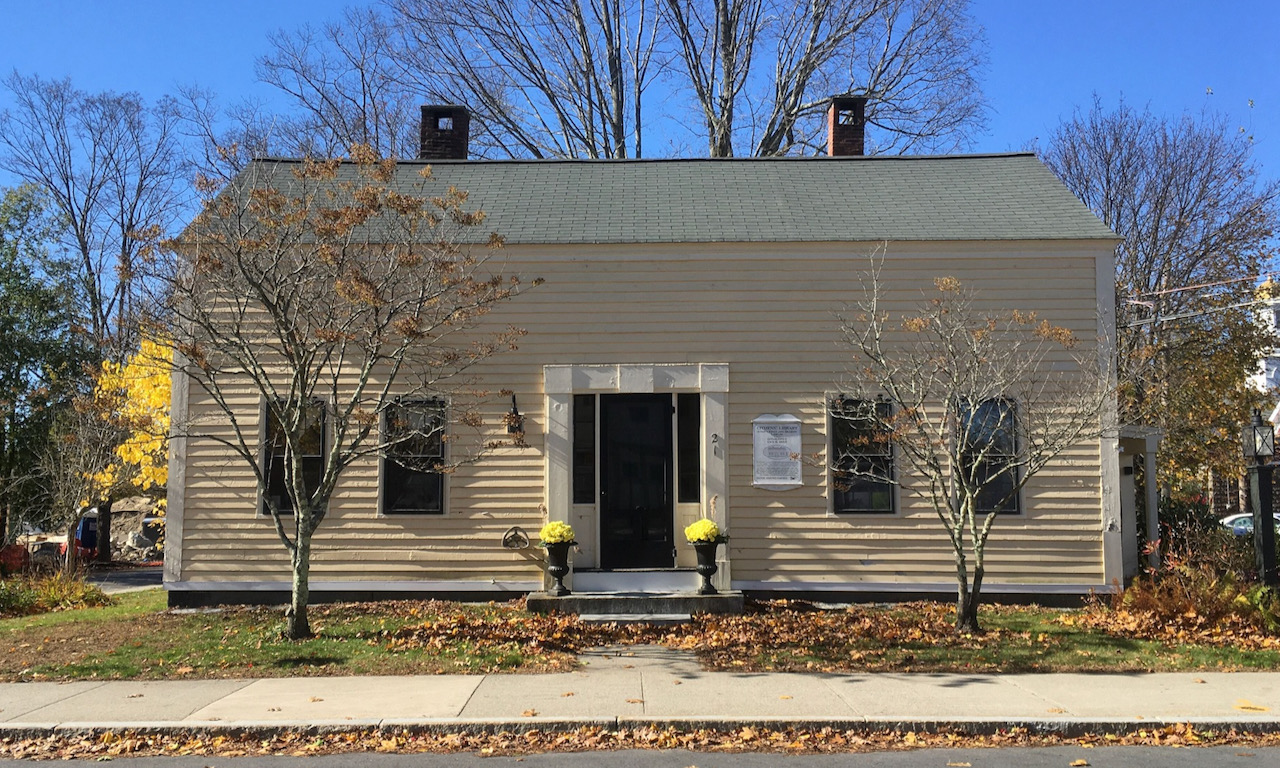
(776, 452)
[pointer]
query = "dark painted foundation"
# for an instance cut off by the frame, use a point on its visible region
(211, 598)
(539, 601)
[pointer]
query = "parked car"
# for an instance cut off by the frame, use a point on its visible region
(1241, 524)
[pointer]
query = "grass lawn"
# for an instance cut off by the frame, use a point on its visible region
(136, 638)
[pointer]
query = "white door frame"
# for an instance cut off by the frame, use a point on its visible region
(562, 382)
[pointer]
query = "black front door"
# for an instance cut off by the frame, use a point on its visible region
(636, 513)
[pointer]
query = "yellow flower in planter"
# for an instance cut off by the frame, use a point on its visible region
(703, 531)
(556, 532)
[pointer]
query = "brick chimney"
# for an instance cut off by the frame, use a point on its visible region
(847, 126)
(444, 133)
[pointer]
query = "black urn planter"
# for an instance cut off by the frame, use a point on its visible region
(706, 565)
(558, 566)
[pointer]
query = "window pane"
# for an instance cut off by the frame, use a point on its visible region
(688, 447)
(990, 426)
(417, 429)
(996, 492)
(862, 457)
(989, 432)
(411, 479)
(407, 491)
(584, 449)
(311, 448)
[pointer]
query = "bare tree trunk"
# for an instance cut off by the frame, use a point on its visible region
(69, 562)
(967, 603)
(298, 625)
(966, 596)
(104, 531)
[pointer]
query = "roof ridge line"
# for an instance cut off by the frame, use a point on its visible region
(658, 160)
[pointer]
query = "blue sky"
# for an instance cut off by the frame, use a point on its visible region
(1047, 56)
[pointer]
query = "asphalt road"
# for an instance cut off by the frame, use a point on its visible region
(117, 580)
(1048, 757)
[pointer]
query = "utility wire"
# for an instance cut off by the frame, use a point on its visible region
(1186, 315)
(1204, 285)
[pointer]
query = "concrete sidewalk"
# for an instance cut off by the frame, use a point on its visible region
(635, 686)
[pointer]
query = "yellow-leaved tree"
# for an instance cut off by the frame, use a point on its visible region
(133, 397)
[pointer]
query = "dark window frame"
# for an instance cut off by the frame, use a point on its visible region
(844, 486)
(583, 484)
(986, 502)
(392, 472)
(273, 448)
(687, 440)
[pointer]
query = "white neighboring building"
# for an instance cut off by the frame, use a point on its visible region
(1267, 379)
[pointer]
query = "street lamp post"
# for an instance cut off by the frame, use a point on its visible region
(1259, 441)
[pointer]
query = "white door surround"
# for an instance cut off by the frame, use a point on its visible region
(562, 382)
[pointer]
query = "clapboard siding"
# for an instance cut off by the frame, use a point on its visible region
(767, 311)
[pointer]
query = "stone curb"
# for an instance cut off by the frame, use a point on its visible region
(1067, 727)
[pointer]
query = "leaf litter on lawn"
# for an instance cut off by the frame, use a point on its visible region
(106, 745)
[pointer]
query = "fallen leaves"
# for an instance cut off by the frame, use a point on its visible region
(1078, 763)
(775, 635)
(110, 744)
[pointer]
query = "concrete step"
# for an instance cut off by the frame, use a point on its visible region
(635, 618)
(632, 603)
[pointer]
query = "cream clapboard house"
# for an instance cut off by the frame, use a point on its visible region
(690, 305)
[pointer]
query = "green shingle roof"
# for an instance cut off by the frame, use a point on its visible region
(817, 199)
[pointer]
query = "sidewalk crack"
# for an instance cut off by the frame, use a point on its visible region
(471, 695)
(1057, 704)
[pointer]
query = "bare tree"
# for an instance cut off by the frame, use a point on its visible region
(336, 297)
(915, 60)
(348, 85)
(222, 141)
(1197, 220)
(81, 446)
(553, 78)
(974, 402)
(567, 78)
(110, 166)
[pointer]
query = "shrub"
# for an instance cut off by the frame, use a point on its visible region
(53, 592)
(1203, 592)
(1191, 537)
(17, 597)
